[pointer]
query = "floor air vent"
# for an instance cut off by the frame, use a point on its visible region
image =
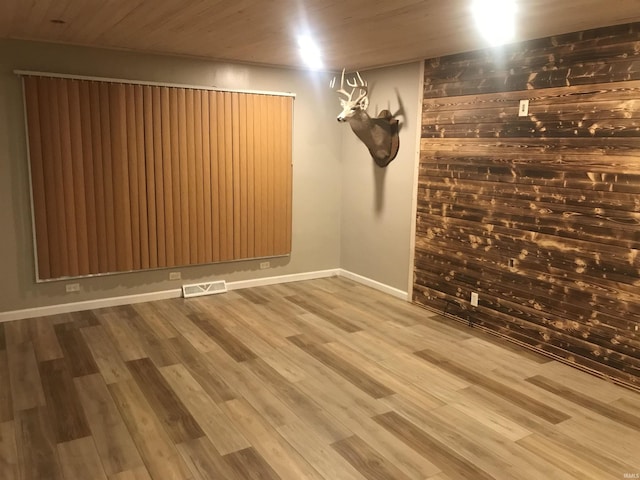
(207, 288)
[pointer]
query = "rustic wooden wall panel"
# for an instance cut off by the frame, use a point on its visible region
(129, 177)
(538, 214)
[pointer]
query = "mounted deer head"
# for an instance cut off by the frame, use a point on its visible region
(380, 134)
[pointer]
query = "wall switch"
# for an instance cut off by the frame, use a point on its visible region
(72, 287)
(523, 111)
(175, 275)
(264, 265)
(474, 299)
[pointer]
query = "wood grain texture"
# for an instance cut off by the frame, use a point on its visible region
(66, 414)
(407, 395)
(536, 213)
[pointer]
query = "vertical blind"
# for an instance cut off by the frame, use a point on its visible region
(130, 177)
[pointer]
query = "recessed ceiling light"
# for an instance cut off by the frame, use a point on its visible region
(496, 20)
(310, 52)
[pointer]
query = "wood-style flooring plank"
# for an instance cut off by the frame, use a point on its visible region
(154, 444)
(222, 432)
(352, 373)
(204, 461)
(225, 339)
(140, 473)
(535, 407)
(114, 444)
(126, 339)
(79, 460)
(366, 460)
(166, 404)
(36, 445)
(76, 352)
(280, 455)
(318, 453)
(442, 455)
(249, 464)
(601, 408)
(343, 383)
(302, 405)
(6, 401)
(44, 339)
(105, 354)
(66, 414)
(24, 377)
(9, 466)
(325, 314)
(562, 457)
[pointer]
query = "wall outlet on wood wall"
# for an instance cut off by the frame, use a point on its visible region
(474, 299)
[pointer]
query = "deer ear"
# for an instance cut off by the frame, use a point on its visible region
(342, 103)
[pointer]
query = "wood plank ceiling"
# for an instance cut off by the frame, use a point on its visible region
(355, 34)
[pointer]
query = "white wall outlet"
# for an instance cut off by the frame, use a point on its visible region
(474, 299)
(72, 287)
(264, 265)
(523, 111)
(175, 275)
(637, 327)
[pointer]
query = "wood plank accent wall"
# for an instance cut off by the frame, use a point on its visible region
(539, 214)
(130, 177)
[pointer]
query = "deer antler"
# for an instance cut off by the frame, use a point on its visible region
(358, 83)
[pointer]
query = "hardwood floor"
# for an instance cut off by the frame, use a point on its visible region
(325, 379)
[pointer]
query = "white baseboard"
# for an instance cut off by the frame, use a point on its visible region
(149, 297)
(88, 305)
(162, 295)
(395, 292)
(294, 277)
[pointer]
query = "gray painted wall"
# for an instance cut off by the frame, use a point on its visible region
(316, 179)
(347, 213)
(377, 203)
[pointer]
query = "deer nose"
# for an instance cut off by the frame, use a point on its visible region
(340, 119)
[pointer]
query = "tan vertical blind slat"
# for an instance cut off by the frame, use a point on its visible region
(79, 195)
(167, 174)
(34, 117)
(88, 164)
(175, 173)
(184, 175)
(242, 174)
(191, 172)
(128, 177)
(142, 184)
(58, 176)
(199, 172)
(150, 177)
(206, 178)
(159, 178)
(289, 168)
(132, 168)
(214, 148)
(260, 204)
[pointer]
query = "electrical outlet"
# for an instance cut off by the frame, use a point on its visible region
(175, 275)
(523, 111)
(637, 327)
(474, 299)
(72, 287)
(264, 265)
